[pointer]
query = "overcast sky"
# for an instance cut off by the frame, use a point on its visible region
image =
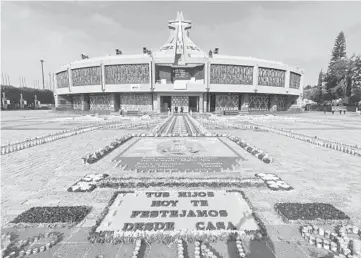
(296, 33)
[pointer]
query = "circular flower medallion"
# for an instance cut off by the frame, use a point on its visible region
(179, 147)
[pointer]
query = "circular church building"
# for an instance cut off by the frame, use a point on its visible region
(179, 75)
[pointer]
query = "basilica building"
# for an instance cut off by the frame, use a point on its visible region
(178, 76)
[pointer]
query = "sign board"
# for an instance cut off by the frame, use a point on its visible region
(8, 101)
(180, 85)
(25, 102)
(178, 210)
(181, 74)
(135, 87)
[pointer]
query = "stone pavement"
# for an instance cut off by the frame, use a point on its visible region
(40, 176)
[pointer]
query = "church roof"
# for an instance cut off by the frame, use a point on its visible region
(179, 44)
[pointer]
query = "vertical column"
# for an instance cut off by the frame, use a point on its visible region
(70, 79)
(207, 75)
(201, 103)
(287, 80)
(102, 71)
(209, 102)
(245, 102)
(55, 89)
(157, 104)
(255, 76)
(56, 100)
(21, 101)
(152, 75)
(36, 101)
(205, 102)
(3, 101)
(209, 86)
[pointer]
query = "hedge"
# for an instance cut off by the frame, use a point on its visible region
(13, 94)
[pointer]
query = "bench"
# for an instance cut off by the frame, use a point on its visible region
(338, 109)
(133, 113)
(231, 112)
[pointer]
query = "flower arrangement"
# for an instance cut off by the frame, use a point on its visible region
(197, 249)
(138, 244)
(180, 248)
(168, 237)
(161, 126)
(207, 252)
(352, 149)
(240, 248)
(38, 243)
(273, 182)
(316, 212)
(343, 147)
(20, 145)
(219, 124)
(260, 154)
(339, 243)
(97, 155)
(30, 142)
(121, 183)
(57, 216)
(199, 127)
(88, 183)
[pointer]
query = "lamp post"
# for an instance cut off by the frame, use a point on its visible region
(42, 71)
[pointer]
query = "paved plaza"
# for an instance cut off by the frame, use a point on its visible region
(40, 176)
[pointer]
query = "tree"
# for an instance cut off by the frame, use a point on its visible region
(320, 79)
(337, 70)
(339, 49)
(355, 79)
(318, 94)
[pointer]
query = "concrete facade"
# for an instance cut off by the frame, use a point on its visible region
(180, 68)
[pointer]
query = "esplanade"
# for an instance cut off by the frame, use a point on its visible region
(180, 74)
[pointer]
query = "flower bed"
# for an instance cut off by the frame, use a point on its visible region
(343, 147)
(20, 145)
(121, 183)
(198, 126)
(97, 155)
(274, 183)
(346, 240)
(161, 126)
(219, 124)
(57, 216)
(15, 247)
(87, 184)
(167, 237)
(352, 149)
(260, 154)
(296, 212)
(28, 143)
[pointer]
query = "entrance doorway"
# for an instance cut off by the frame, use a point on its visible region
(193, 103)
(165, 103)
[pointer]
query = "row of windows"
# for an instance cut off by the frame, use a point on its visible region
(140, 74)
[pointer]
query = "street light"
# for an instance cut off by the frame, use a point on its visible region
(42, 71)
